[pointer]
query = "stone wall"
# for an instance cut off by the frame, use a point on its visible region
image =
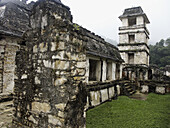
(99, 93)
(50, 88)
(159, 87)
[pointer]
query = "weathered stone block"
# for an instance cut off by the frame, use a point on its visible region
(24, 76)
(118, 89)
(60, 81)
(37, 81)
(43, 47)
(40, 107)
(60, 55)
(60, 106)
(104, 95)
(31, 118)
(48, 64)
(77, 71)
(81, 64)
(63, 65)
(54, 120)
(145, 89)
(160, 90)
(111, 92)
(95, 98)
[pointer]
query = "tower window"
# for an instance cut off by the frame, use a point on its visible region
(131, 38)
(132, 21)
(131, 58)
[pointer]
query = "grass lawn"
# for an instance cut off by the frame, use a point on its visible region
(131, 113)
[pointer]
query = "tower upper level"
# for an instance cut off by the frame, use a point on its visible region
(133, 29)
(133, 16)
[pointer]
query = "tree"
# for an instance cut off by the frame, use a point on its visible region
(160, 53)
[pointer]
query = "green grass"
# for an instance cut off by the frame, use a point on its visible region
(130, 113)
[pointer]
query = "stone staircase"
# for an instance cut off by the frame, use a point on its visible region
(128, 88)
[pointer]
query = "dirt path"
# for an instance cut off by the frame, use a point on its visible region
(139, 96)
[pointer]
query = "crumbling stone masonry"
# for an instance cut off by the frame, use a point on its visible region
(8, 48)
(50, 89)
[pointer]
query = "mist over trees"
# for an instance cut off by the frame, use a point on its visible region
(160, 53)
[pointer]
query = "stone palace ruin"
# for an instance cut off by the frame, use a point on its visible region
(53, 70)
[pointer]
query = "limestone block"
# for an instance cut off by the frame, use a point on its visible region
(60, 55)
(145, 89)
(81, 64)
(37, 81)
(95, 98)
(78, 72)
(118, 89)
(35, 49)
(87, 104)
(44, 22)
(60, 81)
(74, 57)
(104, 95)
(82, 57)
(160, 90)
(111, 92)
(61, 46)
(24, 76)
(0, 64)
(43, 47)
(40, 107)
(57, 46)
(31, 118)
(63, 65)
(54, 120)
(2, 49)
(60, 106)
(8, 82)
(48, 64)
(53, 46)
(61, 114)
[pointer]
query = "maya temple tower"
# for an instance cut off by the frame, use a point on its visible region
(133, 36)
(133, 40)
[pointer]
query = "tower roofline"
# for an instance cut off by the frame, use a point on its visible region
(134, 12)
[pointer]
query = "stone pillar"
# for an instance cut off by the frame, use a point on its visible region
(104, 68)
(113, 71)
(121, 70)
(7, 65)
(50, 90)
(87, 70)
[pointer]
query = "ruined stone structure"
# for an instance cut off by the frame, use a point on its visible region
(133, 47)
(133, 37)
(133, 43)
(56, 61)
(54, 70)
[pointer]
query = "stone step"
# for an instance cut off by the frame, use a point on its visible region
(132, 92)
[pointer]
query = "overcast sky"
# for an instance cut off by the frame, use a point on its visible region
(101, 17)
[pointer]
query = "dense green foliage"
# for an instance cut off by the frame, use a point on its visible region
(130, 113)
(160, 53)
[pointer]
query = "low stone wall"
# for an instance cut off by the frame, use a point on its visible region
(101, 92)
(158, 87)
